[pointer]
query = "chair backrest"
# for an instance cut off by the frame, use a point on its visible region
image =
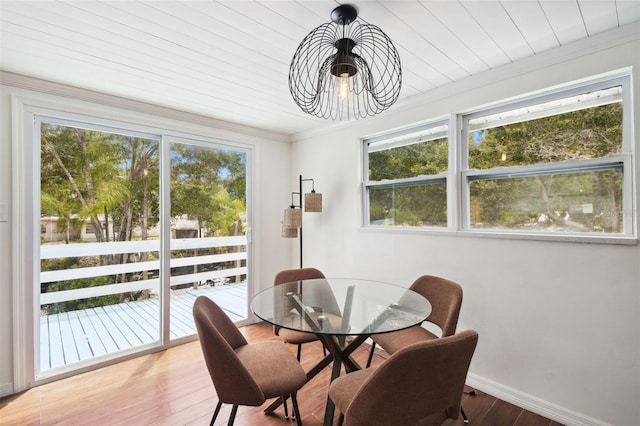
(219, 338)
(290, 275)
(445, 297)
(421, 383)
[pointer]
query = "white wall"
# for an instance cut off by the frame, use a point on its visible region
(6, 358)
(559, 322)
(271, 181)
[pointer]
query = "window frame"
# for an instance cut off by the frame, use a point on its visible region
(459, 176)
(27, 110)
(442, 177)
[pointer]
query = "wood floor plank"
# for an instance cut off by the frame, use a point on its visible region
(95, 343)
(173, 387)
(56, 356)
(527, 418)
(106, 338)
(74, 336)
(502, 413)
(44, 346)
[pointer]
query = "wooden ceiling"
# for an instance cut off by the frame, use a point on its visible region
(230, 59)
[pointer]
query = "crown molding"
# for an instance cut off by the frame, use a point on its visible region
(58, 89)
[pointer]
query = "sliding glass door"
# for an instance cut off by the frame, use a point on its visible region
(208, 231)
(133, 227)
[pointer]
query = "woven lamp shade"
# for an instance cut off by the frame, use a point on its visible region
(293, 218)
(288, 232)
(313, 202)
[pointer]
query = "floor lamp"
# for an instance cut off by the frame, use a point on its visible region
(292, 222)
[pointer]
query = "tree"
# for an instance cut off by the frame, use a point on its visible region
(112, 182)
(87, 159)
(588, 133)
(97, 176)
(208, 185)
(411, 204)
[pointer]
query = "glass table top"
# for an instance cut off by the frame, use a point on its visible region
(341, 306)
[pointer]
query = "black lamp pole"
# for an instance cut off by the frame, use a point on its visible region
(301, 210)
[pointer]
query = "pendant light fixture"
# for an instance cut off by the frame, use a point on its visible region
(345, 69)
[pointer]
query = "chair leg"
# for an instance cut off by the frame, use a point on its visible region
(232, 416)
(215, 413)
(285, 406)
(373, 348)
(299, 352)
(296, 410)
(340, 419)
(465, 419)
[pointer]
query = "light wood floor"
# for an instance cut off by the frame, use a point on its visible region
(173, 388)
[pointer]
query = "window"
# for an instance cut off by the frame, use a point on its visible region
(554, 164)
(406, 177)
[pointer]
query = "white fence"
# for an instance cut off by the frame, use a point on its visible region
(57, 251)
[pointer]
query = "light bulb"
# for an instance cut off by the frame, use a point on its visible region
(343, 85)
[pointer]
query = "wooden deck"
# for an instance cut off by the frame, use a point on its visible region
(80, 335)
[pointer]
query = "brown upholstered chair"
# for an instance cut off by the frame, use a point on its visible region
(242, 373)
(292, 336)
(421, 384)
(445, 297)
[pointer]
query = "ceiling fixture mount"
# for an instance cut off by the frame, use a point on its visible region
(345, 69)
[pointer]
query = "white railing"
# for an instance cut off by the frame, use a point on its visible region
(56, 251)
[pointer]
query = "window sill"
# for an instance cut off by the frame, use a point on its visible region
(510, 235)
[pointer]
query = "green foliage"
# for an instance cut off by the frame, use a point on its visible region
(73, 305)
(60, 264)
(583, 134)
(409, 205)
(424, 158)
(208, 185)
(583, 201)
(548, 200)
(112, 182)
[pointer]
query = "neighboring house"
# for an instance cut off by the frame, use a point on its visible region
(52, 229)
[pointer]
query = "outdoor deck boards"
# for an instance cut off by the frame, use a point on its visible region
(79, 335)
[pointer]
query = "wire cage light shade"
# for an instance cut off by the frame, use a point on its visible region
(345, 69)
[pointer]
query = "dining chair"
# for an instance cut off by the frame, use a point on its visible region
(292, 336)
(242, 373)
(421, 384)
(445, 297)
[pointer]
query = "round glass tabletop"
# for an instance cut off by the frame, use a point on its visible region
(341, 306)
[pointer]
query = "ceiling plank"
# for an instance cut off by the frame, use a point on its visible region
(460, 23)
(566, 20)
(499, 26)
(533, 24)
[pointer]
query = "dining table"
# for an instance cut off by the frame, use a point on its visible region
(343, 313)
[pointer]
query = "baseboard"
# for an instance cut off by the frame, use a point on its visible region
(531, 403)
(6, 389)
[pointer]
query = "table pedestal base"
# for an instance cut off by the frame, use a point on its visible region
(339, 355)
